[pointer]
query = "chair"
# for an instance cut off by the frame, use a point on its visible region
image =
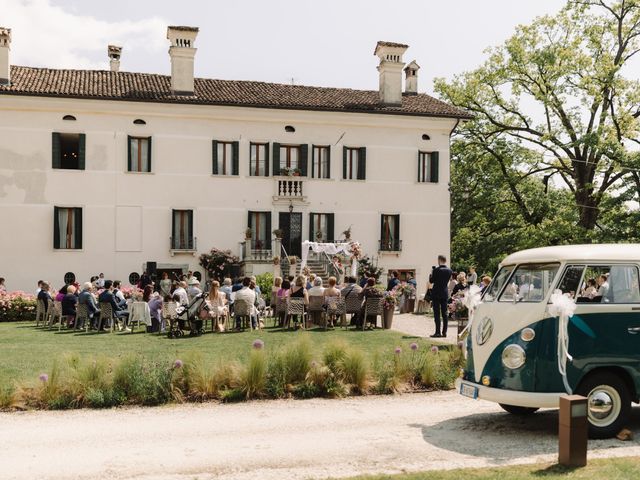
(140, 313)
(106, 313)
(372, 306)
(353, 306)
(281, 309)
(82, 317)
(336, 308)
(54, 311)
(41, 313)
(295, 307)
(242, 310)
(316, 308)
(169, 314)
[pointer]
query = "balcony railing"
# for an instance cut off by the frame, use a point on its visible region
(255, 254)
(183, 244)
(390, 246)
(289, 188)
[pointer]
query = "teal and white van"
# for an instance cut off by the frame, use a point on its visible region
(515, 357)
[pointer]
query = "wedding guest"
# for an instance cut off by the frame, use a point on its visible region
(61, 293)
(250, 297)
(100, 280)
(39, 287)
(107, 297)
(368, 291)
(155, 309)
(472, 278)
(117, 292)
(44, 295)
(87, 298)
(3, 288)
(181, 292)
(194, 288)
(165, 285)
(69, 302)
(331, 292)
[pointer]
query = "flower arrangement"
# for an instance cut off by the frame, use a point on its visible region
(389, 300)
(218, 263)
(132, 292)
(16, 306)
(248, 233)
(355, 250)
(405, 289)
(290, 172)
(278, 233)
(458, 308)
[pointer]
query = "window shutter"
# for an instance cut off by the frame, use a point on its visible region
(190, 229)
(266, 160)
(276, 159)
(77, 222)
(330, 231)
(344, 163)
(382, 239)
(435, 159)
(268, 235)
(419, 165)
(313, 161)
(82, 151)
(396, 234)
(328, 172)
(174, 240)
(129, 138)
(312, 226)
(362, 163)
(56, 227)
(55, 150)
(214, 157)
(149, 153)
(304, 160)
(235, 158)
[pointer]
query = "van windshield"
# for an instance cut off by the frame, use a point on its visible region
(530, 283)
(498, 282)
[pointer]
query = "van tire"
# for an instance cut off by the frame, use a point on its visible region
(516, 410)
(611, 386)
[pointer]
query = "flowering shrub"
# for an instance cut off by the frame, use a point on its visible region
(15, 306)
(132, 292)
(218, 263)
(367, 269)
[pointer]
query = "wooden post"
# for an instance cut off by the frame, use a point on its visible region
(573, 431)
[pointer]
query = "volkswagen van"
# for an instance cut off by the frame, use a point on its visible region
(515, 355)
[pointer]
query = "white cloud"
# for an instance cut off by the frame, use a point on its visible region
(48, 36)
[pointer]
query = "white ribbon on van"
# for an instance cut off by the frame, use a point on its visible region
(471, 300)
(563, 307)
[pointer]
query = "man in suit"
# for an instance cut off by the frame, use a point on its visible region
(440, 295)
(107, 296)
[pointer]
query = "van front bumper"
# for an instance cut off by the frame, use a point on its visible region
(509, 397)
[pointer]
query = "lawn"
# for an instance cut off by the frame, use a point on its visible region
(609, 469)
(26, 351)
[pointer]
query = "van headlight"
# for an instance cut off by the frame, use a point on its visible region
(513, 356)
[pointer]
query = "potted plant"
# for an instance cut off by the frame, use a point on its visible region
(248, 233)
(347, 234)
(319, 235)
(297, 172)
(278, 233)
(285, 171)
(389, 302)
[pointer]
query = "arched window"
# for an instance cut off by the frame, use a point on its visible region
(198, 275)
(69, 278)
(426, 137)
(134, 278)
(290, 129)
(69, 117)
(139, 121)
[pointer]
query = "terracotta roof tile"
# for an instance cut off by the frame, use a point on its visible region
(146, 87)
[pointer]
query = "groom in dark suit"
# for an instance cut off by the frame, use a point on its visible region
(440, 295)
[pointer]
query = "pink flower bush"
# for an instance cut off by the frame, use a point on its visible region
(17, 306)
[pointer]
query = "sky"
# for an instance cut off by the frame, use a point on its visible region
(323, 43)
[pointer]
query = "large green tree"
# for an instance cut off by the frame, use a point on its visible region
(553, 107)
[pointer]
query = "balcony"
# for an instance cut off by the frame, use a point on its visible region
(183, 245)
(289, 189)
(390, 246)
(255, 255)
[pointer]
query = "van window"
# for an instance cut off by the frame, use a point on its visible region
(611, 284)
(571, 279)
(498, 282)
(530, 283)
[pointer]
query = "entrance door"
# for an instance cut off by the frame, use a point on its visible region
(291, 226)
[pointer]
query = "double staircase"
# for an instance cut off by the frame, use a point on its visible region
(317, 263)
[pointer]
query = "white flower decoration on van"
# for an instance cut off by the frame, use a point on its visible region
(563, 307)
(471, 300)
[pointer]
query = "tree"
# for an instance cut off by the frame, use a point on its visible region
(552, 104)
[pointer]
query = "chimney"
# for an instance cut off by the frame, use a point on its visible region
(114, 53)
(411, 78)
(182, 53)
(5, 46)
(390, 69)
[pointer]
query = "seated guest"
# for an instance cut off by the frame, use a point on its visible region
(277, 284)
(283, 293)
(69, 302)
(248, 295)
(61, 293)
(369, 291)
(117, 293)
(107, 297)
(591, 290)
(603, 287)
(316, 290)
(351, 289)
(39, 287)
(486, 280)
(237, 285)
(154, 300)
(87, 298)
(217, 301)
(226, 289)
(331, 292)
(194, 288)
(44, 295)
(257, 287)
(181, 292)
(298, 291)
(310, 280)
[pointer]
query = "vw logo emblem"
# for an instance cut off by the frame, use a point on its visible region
(485, 329)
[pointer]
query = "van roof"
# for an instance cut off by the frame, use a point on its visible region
(594, 252)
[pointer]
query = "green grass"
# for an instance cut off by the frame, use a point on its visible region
(606, 469)
(25, 351)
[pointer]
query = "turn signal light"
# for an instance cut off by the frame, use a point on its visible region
(486, 380)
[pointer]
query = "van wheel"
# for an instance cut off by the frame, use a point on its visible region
(608, 403)
(515, 410)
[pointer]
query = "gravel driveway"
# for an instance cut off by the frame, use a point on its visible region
(281, 439)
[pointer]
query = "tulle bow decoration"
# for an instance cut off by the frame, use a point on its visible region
(563, 307)
(471, 298)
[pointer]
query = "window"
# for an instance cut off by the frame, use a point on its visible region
(290, 159)
(354, 163)
(321, 227)
(139, 154)
(495, 287)
(259, 160)
(602, 283)
(69, 278)
(530, 283)
(225, 158)
(67, 228)
(182, 230)
(321, 162)
(68, 151)
(428, 167)
(134, 278)
(390, 233)
(260, 225)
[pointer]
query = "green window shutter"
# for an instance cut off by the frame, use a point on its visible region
(268, 235)
(435, 160)
(82, 151)
(362, 163)
(419, 166)
(330, 228)
(328, 172)
(190, 229)
(304, 159)
(149, 153)
(77, 214)
(396, 234)
(276, 159)
(56, 227)
(174, 240)
(266, 160)
(55, 151)
(382, 232)
(214, 157)
(313, 161)
(312, 226)
(235, 158)
(344, 163)
(129, 159)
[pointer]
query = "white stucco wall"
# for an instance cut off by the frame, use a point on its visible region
(127, 216)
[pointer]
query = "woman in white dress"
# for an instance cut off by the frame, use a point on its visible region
(217, 303)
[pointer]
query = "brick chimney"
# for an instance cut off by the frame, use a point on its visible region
(114, 53)
(5, 46)
(411, 78)
(390, 69)
(182, 53)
